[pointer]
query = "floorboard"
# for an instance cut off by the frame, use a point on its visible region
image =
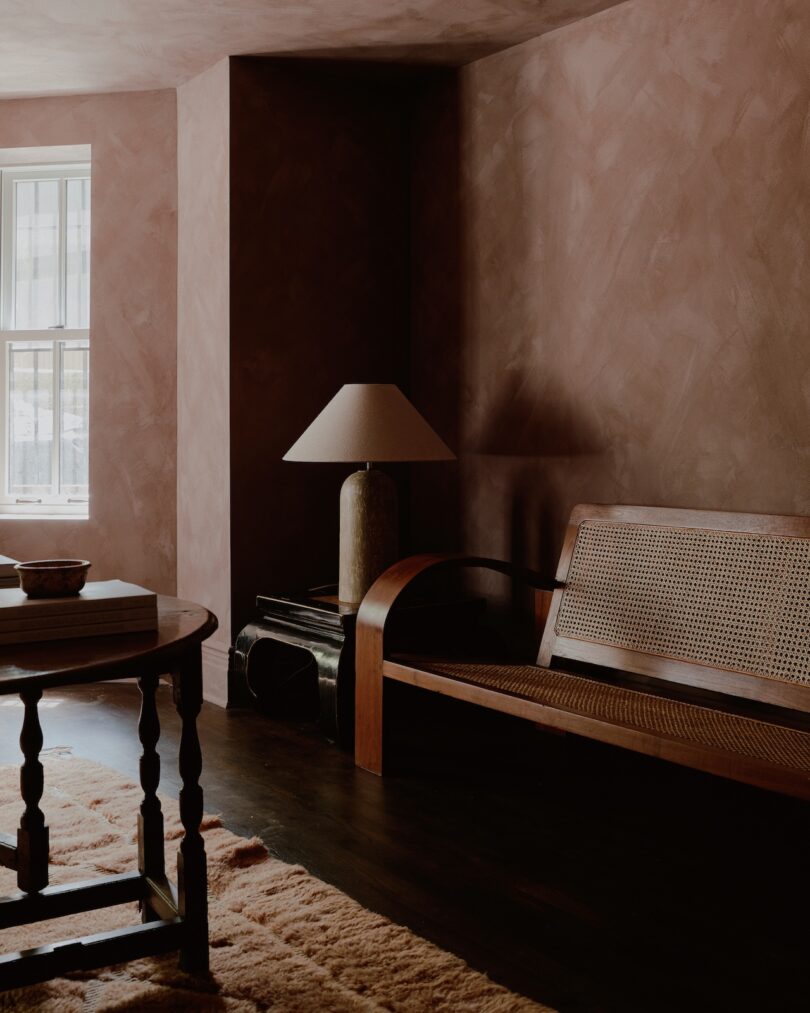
(581, 875)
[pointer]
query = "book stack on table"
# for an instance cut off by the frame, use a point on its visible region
(102, 608)
(8, 575)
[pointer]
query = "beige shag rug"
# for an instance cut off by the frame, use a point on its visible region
(281, 940)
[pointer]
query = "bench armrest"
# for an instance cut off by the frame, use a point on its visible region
(371, 619)
(386, 589)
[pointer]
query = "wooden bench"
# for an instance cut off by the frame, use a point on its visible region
(681, 634)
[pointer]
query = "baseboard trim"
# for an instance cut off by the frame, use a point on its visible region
(215, 674)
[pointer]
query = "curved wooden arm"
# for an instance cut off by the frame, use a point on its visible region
(386, 589)
(371, 619)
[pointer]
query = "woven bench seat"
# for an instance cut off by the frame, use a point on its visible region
(706, 612)
(781, 751)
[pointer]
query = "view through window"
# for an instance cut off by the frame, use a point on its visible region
(44, 327)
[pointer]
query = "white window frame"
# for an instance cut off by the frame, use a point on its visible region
(11, 504)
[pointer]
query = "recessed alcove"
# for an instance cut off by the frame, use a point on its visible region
(336, 262)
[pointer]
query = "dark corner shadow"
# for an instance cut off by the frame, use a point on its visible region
(436, 300)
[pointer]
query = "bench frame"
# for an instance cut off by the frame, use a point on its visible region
(750, 691)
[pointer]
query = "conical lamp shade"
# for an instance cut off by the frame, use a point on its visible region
(369, 422)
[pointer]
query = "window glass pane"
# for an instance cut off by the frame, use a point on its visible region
(30, 388)
(36, 254)
(77, 280)
(74, 404)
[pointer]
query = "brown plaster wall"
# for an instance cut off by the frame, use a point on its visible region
(203, 360)
(319, 297)
(436, 305)
(131, 530)
(635, 306)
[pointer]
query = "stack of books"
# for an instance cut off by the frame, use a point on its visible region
(8, 575)
(103, 607)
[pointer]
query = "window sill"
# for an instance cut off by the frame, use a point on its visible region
(43, 517)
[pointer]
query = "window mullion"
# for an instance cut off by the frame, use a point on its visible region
(56, 425)
(62, 269)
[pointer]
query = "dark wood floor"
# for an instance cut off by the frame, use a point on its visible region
(583, 876)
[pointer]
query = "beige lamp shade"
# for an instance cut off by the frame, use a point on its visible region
(369, 422)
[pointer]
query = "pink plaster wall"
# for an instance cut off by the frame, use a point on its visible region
(203, 356)
(90, 45)
(636, 249)
(131, 530)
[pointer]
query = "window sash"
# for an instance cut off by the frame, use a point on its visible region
(55, 504)
(9, 177)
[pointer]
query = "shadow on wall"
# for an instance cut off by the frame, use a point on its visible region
(524, 423)
(514, 428)
(526, 438)
(436, 304)
(523, 432)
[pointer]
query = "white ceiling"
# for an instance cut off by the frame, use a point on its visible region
(52, 47)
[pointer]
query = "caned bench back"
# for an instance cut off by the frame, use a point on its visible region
(720, 601)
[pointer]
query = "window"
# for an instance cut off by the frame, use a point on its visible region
(44, 339)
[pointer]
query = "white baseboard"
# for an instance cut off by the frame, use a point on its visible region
(215, 674)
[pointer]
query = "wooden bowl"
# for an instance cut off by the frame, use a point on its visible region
(52, 578)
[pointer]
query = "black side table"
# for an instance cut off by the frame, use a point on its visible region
(320, 625)
(315, 626)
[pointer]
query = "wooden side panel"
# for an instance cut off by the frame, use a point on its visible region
(549, 641)
(542, 607)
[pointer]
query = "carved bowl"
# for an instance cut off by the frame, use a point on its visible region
(52, 578)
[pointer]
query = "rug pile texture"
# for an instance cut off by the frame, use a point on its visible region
(281, 939)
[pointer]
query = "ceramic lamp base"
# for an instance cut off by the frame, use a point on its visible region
(368, 532)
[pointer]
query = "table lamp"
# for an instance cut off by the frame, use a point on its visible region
(365, 423)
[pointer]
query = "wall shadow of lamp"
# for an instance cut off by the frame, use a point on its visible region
(368, 423)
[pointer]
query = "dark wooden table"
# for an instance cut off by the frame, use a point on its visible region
(173, 918)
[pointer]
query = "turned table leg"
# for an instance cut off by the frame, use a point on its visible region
(32, 835)
(151, 860)
(192, 885)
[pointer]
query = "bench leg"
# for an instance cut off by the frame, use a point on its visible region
(151, 861)
(32, 835)
(368, 705)
(192, 884)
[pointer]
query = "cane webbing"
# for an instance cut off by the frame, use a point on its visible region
(726, 599)
(732, 733)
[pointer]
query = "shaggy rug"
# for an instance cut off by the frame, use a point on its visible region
(281, 940)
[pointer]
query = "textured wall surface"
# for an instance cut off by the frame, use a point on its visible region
(131, 530)
(636, 209)
(203, 360)
(436, 311)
